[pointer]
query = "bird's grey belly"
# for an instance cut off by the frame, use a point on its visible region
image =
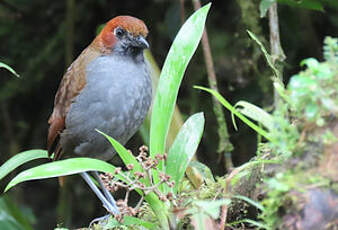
(115, 103)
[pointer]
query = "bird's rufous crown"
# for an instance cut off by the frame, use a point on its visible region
(131, 24)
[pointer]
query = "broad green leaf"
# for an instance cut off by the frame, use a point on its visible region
(198, 173)
(264, 5)
(212, 208)
(128, 221)
(176, 121)
(203, 170)
(184, 147)
(227, 105)
(172, 73)
(3, 65)
(61, 168)
(21, 158)
(255, 113)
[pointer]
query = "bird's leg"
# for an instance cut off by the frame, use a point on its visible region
(111, 207)
(107, 194)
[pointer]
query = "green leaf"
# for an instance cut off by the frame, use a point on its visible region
(227, 105)
(152, 199)
(212, 208)
(184, 148)
(197, 171)
(3, 65)
(248, 165)
(13, 217)
(126, 156)
(21, 158)
(61, 168)
(129, 221)
(276, 184)
(310, 62)
(311, 111)
(172, 73)
(268, 57)
(255, 113)
(306, 4)
(160, 209)
(264, 5)
(250, 201)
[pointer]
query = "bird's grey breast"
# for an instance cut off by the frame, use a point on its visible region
(115, 100)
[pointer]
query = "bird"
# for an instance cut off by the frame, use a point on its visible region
(107, 88)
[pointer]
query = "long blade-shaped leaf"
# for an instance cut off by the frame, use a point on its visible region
(227, 105)
(3, 65)
(21, 158)
(174, 67)
(61, 168)
(255, 113)
(184, 147)
(126, 156)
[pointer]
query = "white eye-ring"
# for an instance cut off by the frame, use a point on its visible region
(119, 32)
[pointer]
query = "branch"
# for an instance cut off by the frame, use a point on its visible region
(224, 145)
(277, 53)
(182, 11)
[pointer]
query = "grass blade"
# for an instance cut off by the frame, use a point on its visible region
(3, 65)
(227, 105)
(255, 113)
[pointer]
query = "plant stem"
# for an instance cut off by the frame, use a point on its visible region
(160, 209)
(64, 199)
(277, 53)
(182, 11)
(224, 145)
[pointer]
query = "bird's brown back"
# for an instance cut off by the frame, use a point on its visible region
(73, 81)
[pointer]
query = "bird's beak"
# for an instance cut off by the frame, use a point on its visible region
(141, 42)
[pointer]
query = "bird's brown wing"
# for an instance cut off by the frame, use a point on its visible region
(71, 85)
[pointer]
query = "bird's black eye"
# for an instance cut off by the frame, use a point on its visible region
(119, 32)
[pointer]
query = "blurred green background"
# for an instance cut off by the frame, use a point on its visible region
(39, 39)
